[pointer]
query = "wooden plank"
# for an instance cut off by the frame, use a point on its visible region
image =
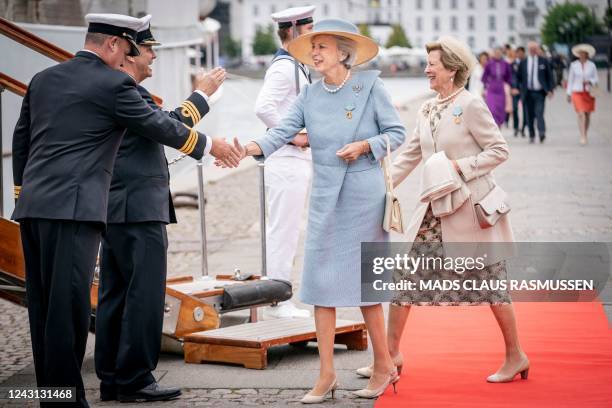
(186, 322)
(272, 332)
(256, 358)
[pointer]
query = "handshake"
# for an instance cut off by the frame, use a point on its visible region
(227, 155)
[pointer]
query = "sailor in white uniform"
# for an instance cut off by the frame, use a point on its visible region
(288, 171)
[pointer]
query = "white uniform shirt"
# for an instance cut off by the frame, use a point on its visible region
(276, 98)
(578, 74)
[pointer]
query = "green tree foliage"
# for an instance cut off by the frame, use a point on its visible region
(608, 18)
(569, 23)
(231, 47)
(398, 38)
(264, 43)
(364, 29)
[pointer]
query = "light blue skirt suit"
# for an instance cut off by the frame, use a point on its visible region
(347, 199)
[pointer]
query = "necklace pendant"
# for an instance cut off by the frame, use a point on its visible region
(349, 111)
(349, 115)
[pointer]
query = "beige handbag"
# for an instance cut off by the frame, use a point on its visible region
(392, 220)
(491, 207)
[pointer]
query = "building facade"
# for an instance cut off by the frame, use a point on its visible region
(480, 23)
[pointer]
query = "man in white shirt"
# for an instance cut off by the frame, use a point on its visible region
(288, 171)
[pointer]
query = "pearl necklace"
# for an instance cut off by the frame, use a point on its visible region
(348, 74)
(449, 97)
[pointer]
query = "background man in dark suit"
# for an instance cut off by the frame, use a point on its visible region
(72, 120)
(516, 94)
(535, 79)
(130, 310)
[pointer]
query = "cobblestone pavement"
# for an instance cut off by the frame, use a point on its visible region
(559, 192)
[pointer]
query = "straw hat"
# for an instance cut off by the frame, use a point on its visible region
(588, 48)
(460, 49)
(300, 48)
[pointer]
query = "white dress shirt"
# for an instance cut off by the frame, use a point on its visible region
(276, 98)
(578, 74)
(533, 82)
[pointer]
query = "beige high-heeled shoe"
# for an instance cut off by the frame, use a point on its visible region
(523, 370)
(375, 393)
(317, 399)
(366, 372)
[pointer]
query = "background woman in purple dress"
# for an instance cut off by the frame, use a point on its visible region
(496, 76)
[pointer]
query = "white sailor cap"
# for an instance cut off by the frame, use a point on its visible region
(297, 15)
(117, 25)
(144, 35)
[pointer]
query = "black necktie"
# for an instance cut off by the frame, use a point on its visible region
(533, 72)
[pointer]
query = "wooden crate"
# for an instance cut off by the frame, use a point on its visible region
(248, 344)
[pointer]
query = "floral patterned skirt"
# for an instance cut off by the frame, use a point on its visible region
(431, 232)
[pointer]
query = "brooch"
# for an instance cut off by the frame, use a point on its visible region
(457, 112)
(357, 88)
(349, 111)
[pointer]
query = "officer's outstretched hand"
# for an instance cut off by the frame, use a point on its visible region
(225, 153)
(211, 81)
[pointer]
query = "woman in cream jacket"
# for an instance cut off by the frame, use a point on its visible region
(459, 124)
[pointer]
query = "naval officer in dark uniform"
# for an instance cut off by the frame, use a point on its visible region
(131, 295)
(71, 123)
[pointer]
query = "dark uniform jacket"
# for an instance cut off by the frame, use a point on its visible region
(72, 120)
(140, 188)
(544, 71)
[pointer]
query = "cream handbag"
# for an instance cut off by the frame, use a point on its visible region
(392, 220)
(491, 207)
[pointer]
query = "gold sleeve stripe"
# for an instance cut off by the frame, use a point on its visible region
(190, 111)
(194, 109)
(186, 112)
(16, 191)
(191, 142)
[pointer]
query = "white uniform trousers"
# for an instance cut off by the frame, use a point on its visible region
(287, 180)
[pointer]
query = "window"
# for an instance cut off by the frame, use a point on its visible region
(255, 10)
(419, 4)
(419, 24)
(471, 42)
(491, 23)
(272, 9)
(419, 42)
(530, 3)
(510, 22)
(436, 4)
(492, 41)
(471, 25)
(325, 9)
(436, 23)
(470, 4)
(453, 4)
(453, 23)
(530, 21)
(491, 4)
(511, 39)
(511, 4)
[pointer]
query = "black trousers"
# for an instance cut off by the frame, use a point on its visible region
(60, 257)
(130, 309)
(534, 101)
(515, 113)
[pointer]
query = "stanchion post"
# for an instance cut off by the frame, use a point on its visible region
(262, 217)
(201, 209)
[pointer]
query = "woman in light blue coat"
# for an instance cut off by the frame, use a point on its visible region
(348, 116)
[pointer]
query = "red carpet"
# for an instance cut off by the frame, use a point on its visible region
(449, 351)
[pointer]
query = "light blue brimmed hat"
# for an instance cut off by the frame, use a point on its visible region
(300, 48)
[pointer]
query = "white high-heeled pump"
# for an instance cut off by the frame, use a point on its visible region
(366, 372)
(523, 370)
(317, 399)
(375, 393)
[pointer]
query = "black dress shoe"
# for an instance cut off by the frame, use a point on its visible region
(516, 132)
(152, 392)
(531, 140)
(542, 138)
